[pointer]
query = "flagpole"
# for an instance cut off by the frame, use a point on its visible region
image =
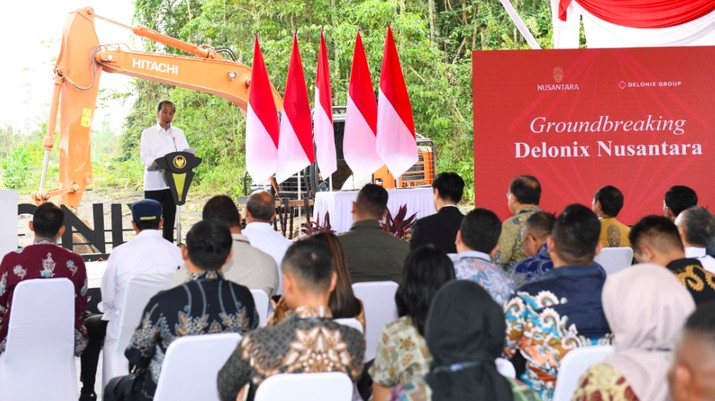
(300, 197)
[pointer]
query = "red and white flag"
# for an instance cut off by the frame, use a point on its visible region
(261, 122)
(396, 142)
(323, 115)
(359, 146)
(295, 147)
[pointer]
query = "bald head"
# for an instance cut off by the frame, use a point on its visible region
(260, 207)
(693, 368)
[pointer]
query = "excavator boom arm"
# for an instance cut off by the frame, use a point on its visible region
(77, 73)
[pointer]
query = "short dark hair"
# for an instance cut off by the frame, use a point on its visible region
(449, 185)
(702, 321)
(526, 189)
(261, 206)
(209, 243)
(311, 263)
(698, 224)
(222, 208)
(480, 230)
(540, 224)
(611, 200)
(679, 198)
(162, 103)
(575, 235)
(147, 224)
(47, 220)
(372, 200)
(427, 268)
(658, 231)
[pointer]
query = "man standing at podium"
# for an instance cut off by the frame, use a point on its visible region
(157, 141)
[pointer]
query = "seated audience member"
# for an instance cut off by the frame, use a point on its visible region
(207, 304)
(607, 203)
(696, 226)
(440, 229)
(549, 317)
(693, 368)
(342, 302)
(536, 231)
(655, 239)
(402, 353)
(249, 266)
(645, 323)
(44, 259)
(372, 254)
(148, 252)
(477, 243)
(677, 199)
(465, 334)
(260, 212)
(308, 340)
(523, 199)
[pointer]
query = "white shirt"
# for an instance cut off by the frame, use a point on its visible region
(155, 143)
(265, 238)
(147, 252)
(707, 261)
(249, 266)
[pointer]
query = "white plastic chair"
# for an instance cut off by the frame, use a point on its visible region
(140, 289)
(330, 386)
(614, 260)
(191, 366)
(350, 322)
(575, 364)
(38, 362)
(506, 368)
(378, 300)
(260, 299)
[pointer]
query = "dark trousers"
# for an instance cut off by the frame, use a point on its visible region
(168, 208)
(96, 331)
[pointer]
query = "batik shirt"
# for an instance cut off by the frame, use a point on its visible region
(206, 305)
(533, 267)
(551, 316)
(614, 233)
(419, 390)
(511, 250)
(44, 259)
(698, 281)
(477, 267)
(401, 354)
(602, 382)
(307, 341)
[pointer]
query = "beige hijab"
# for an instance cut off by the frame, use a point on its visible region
(646, 306)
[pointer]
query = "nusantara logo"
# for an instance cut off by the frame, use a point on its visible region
(558, 75)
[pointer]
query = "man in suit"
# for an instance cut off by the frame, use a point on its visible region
(440, 229)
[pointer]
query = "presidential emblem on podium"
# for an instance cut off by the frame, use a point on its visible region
(177, 169)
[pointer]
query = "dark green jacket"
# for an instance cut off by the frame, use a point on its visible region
(373, 254)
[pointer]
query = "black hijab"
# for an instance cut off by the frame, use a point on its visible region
(465, 334)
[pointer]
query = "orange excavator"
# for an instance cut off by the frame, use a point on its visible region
(77, 73)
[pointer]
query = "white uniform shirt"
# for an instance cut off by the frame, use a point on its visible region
(157, 142)
(707, 261)
(147, 252)
(265, 238)
(249, 266)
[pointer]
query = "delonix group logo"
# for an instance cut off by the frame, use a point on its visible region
(558, 84)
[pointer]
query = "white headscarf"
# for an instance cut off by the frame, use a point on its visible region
(646, 306)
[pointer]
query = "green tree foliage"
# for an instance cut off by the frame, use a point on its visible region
(434, 38)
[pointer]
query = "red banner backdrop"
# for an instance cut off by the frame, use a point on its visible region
(640, 119)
